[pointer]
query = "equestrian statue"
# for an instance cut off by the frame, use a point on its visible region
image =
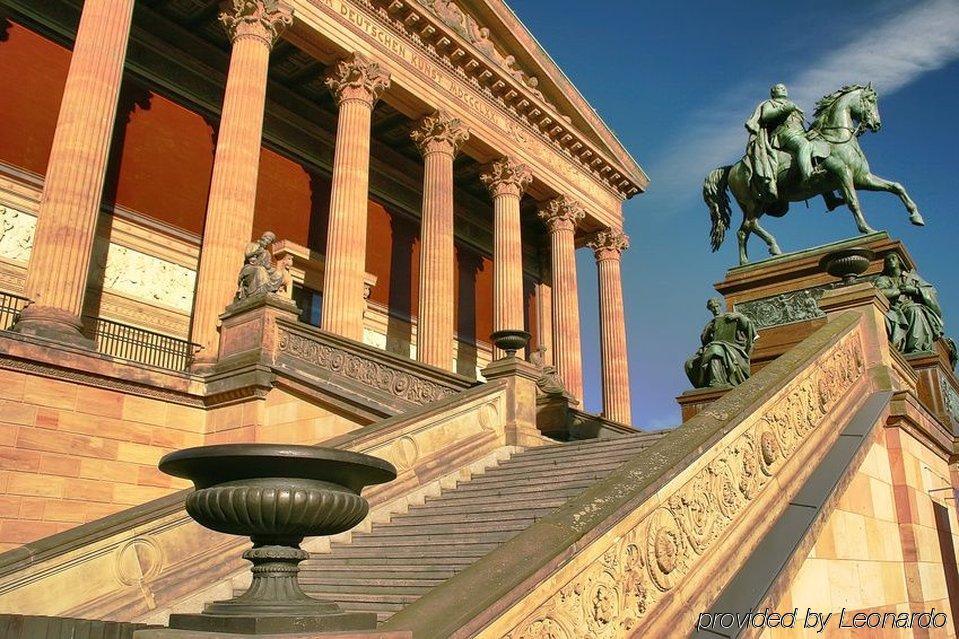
(785, 163)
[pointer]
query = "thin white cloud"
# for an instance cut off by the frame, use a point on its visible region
(899, 50)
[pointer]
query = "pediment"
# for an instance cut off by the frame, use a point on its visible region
(495, 32)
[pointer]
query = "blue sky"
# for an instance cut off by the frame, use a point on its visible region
(676, 81)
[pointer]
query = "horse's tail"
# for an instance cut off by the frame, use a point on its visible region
(714, 193)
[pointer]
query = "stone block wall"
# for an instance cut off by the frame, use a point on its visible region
(880, 549)
(71, 453)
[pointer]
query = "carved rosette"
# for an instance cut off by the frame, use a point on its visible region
(357, 78)
(260, 19)
(608, 244)
(561, 213)
(614, 595)
(440, 132)
(506, 176)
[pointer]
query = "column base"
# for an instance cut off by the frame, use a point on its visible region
(53, 324)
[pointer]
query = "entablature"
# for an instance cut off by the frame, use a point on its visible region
(429, 72)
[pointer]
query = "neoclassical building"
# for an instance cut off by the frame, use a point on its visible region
(412, 176)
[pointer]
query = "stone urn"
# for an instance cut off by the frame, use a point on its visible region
(847, 264)
(510, 340)
(276, 494)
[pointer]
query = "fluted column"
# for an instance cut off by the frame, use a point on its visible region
(356, 84)
(254, 26)
(561, 215)
(608, 247)
(438, 137)
(59, 264)
(507, 179)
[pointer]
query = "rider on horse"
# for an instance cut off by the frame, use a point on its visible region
(777, 123)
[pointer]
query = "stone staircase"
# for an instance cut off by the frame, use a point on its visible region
(396, 563)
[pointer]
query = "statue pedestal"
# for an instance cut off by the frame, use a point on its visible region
(780, 294)
(695, 401)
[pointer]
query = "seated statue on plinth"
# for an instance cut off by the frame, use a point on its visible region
(259, 274)
(727, 342)
(914, 318)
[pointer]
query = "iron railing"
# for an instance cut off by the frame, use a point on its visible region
(10, 307)
(140, 345)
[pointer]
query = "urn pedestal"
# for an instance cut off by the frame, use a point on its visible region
(276, 495)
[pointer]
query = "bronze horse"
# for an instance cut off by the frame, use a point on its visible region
(840, 118)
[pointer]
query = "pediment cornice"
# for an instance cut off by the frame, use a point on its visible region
(450, 33)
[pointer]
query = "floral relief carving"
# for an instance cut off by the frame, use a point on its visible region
(261, 19)
(440, 132)
(613, 595)
(137, 275)
(395, 381)
(16, 234)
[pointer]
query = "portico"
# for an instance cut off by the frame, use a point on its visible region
(448, 115)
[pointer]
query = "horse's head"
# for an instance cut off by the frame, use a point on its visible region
(868, 110)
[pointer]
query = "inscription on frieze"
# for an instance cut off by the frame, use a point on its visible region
(466, 92)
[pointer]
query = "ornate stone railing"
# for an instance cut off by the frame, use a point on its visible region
(354, 364)
(635, 554)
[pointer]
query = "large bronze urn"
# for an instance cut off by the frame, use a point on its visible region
(277, 495)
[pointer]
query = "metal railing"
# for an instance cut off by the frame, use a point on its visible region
(140, 345)
(10, 307)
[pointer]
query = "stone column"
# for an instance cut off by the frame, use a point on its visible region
(356, 84)
(561, 215)
(70, 205)
(438, 137)
(507, 180)
(608, 246)
(254, 27)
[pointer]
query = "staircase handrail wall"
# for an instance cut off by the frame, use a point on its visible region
(152, 555)
(646, 547)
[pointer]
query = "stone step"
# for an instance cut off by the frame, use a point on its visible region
(547, 471)
(518, 491)
(453, 563)
(453, 527)
(588, 474)
(341, 592)
(463, 507)
(580, 452)
(349, 584)
(431, 537)
(425, 516)
(437, 551)
(413, 572)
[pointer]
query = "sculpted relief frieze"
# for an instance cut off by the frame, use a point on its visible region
(17, 229)
(466, 94)
(404, 384)
(145, 277)
(614, 594)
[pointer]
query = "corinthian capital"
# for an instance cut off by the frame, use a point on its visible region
(260, 19)
(357, 78)
(506, 176)
(561, 213)
(440, 133)
(608, 244)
